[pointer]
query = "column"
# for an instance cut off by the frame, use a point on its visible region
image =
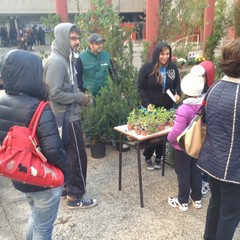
(62, 10)
(208, 21)
(152, 23)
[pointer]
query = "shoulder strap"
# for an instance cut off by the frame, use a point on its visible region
(37, 115)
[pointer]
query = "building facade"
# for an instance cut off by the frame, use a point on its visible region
(28, 12)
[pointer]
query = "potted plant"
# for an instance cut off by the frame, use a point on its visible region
(94, 127)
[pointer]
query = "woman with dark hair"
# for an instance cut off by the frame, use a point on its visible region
(154, 79)
(220, 155)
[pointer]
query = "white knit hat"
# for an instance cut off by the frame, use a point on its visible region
(192, 85)
(197, 70)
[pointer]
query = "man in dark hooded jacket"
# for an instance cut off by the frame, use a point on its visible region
(66, 101)
(22, 80)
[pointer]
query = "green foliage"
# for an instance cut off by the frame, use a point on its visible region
(179, 18)
(144, 52)
(113, 105)
(218, 72)
(221, 22)
(119, 97)
(50, 22)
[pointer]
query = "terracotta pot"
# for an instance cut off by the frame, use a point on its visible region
(130, 127)
(143, 132)
(161, 127)
(138, 131)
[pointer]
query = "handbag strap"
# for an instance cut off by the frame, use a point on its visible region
(36, 117)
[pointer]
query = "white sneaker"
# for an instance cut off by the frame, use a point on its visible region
(196, 204)
(173, 202)
(205, 187)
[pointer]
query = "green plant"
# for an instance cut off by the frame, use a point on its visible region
(179, 18)
(119, 97)
(50, 22)
(144, 52)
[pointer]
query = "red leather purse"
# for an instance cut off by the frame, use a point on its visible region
(21, 158)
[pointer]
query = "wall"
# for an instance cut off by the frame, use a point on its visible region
(48, 6)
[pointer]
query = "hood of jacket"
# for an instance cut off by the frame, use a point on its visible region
(22, 74)
(157, 50)
(61, 43)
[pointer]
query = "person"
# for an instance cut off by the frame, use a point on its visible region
(66, 101)
(41, 36)
(30, 39)
(154, 79)
(20, 71)
(22, 38)
(205, 69)
(219, 156)
(93, 66)
(188, 175)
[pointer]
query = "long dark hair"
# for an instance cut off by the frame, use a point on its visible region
(156, 69)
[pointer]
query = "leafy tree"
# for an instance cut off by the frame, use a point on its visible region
(180, 18)
(50, 22)
(119, 97)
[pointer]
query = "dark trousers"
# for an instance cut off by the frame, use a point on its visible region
(223, 214)
(148, 152)
(188, 176)
(76, 185)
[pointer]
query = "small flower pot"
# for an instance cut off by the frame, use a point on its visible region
(98, 150)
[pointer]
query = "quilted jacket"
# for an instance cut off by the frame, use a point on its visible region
(22, 80)
(220, 154)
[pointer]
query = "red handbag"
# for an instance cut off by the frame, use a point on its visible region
(21, 158)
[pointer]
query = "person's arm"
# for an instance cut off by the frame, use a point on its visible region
(180, 123)
(176, 84)
(54, 73)
(142, 86)
(79, 75)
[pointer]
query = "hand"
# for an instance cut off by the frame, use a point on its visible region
(177, 97)
(150, 107)
(90, 102)
(86, 100)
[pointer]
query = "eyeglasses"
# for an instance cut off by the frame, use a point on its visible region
(73, 38)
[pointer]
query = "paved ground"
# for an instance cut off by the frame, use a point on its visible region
(118, 214)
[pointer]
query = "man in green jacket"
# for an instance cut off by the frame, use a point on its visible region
(93, 66)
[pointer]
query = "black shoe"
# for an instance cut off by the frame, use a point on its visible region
(149, 165)
(157, 164)
(82, 203)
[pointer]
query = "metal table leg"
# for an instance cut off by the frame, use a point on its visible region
(164, 157)
(120, 164)
(140, 175)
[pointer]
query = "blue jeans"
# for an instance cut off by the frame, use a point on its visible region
(44, 208)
